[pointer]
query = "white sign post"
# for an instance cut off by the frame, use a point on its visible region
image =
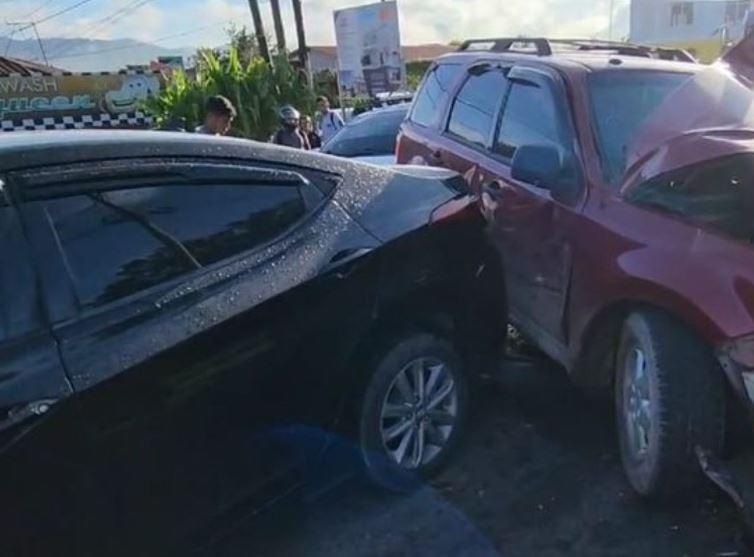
(369, 49)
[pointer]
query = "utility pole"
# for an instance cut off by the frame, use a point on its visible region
(10, 41)
(303, 51)
(278, 19)
(22, 26)
(259, 30)
(39, 40)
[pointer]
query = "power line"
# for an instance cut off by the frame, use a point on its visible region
(116, 15)
(24, 26)
(37, 9)
(109, 19)
(131, 47)
(59, 13)
(10, 42)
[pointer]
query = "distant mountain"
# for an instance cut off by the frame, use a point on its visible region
(79, 55)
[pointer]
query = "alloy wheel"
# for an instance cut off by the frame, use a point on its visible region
(637, 404)
(419, 413)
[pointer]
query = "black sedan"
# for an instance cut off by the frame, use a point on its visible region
(188, 324)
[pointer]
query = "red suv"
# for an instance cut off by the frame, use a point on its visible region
(618, 185)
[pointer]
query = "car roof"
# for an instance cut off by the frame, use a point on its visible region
(576, 61)
(381, 111)
(20, 150)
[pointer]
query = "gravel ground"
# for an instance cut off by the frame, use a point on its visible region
(539, 474)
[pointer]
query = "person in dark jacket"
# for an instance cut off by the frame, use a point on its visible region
(289, 133)
(307, 127)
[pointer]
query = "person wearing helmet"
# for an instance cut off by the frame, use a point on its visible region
(289, 133)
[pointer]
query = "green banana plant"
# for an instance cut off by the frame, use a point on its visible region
(256, 89)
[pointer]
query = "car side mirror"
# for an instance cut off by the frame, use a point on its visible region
(546, 166)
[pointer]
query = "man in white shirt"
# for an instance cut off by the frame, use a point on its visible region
(329, 121)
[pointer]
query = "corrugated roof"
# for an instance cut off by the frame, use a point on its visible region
(24, 67)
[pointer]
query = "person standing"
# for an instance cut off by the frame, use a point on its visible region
(329, 122)
(219, 113)
(307, 127)
(289, 133)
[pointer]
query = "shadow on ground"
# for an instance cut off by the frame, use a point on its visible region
(539, 474)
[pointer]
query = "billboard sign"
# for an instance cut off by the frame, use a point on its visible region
(38, 97)
(369, 49)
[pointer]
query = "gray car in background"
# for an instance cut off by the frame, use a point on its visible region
(370, 137)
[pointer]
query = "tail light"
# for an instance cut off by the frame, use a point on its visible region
(398, 141)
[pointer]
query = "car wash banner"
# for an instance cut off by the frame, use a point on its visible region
(369, 49)
(68, 100)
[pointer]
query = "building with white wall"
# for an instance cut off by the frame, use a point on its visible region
(703, 26)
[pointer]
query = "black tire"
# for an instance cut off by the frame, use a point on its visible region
(686, 394)
(380, 466)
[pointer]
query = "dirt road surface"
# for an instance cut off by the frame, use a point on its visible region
(539, 474)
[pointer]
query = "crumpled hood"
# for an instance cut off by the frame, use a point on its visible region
(711, 115)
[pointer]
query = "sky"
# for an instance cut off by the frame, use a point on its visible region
(174, 23)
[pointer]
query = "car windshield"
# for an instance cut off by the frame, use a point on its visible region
(621, 101)
(371, 134)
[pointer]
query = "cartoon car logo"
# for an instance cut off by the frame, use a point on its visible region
(135, 88)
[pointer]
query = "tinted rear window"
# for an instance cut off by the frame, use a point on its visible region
(473, 113)
(373, 134)
(431, 100)
(117, 243)
(530, 118)
(621, 102)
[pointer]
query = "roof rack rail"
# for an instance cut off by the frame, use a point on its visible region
(546, 47)
(506, 45)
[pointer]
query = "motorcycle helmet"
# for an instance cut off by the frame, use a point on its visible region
(289, 116)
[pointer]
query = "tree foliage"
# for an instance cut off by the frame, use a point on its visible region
(255, 88)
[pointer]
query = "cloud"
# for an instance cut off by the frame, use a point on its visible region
(148, 22)
(421, 20)
(446, 20)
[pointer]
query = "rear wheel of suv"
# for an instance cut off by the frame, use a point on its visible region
(412, 412)
(670, 398)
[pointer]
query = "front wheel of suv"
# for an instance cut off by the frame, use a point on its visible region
(413, 410)
(670, 398)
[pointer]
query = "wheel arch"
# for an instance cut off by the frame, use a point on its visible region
(444, 308)
(598, 344)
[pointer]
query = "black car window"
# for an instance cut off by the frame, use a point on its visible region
(530, 117)
(216, 222)
(473, 114)
(371, 134)
(717, 195)
(430, 101)
(19, 307)
(109, 254)
(117, 243)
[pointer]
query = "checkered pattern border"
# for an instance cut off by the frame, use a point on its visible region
(104, 120)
